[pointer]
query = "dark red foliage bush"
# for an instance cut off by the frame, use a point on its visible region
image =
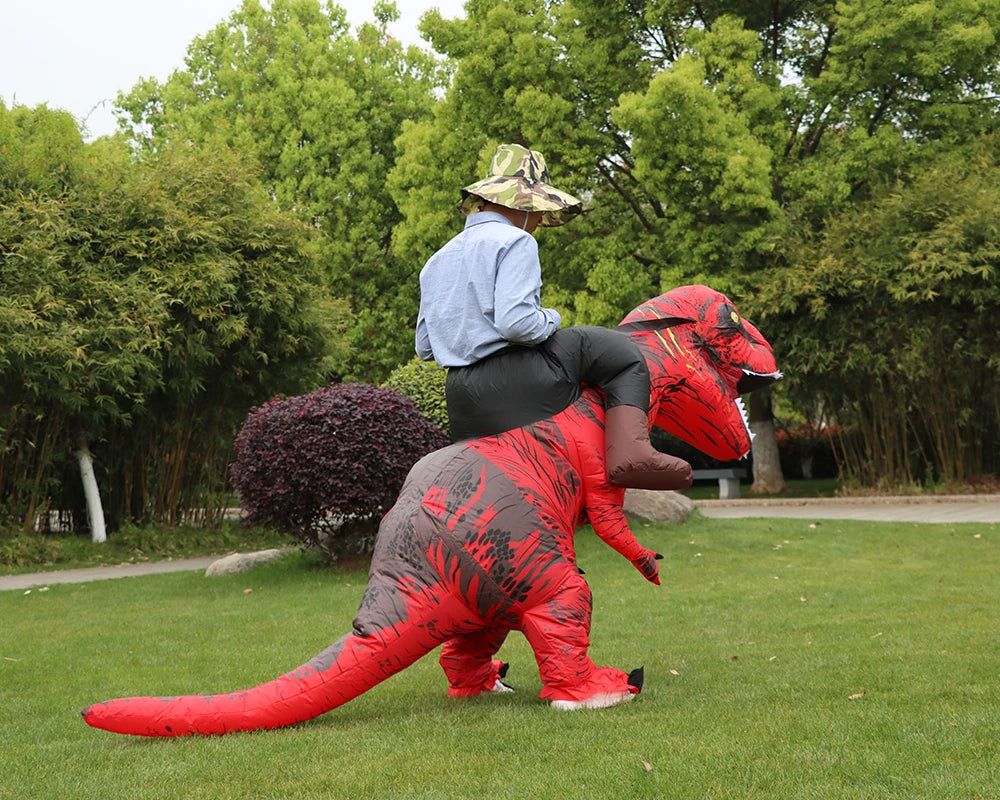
(325, 466)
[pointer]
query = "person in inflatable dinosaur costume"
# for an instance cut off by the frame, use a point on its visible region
(480, 542)
(481, 318)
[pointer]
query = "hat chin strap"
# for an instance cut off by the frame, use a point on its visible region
(524, 227)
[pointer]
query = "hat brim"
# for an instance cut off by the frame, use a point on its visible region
(523, 195)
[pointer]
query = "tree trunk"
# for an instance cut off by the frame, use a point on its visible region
(95, 511)
(767, 475)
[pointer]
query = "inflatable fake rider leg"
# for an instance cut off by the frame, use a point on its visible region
(547, 378)
(632, 461)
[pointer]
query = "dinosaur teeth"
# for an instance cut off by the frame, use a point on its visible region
(743, 413)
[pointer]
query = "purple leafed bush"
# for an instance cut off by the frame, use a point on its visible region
(325, 466)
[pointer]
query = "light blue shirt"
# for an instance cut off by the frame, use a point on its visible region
(481, 292)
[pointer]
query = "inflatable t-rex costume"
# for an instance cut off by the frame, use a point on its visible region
(480, 542)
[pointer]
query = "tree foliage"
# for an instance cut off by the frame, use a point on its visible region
(886, 318)
(143, 304)
(287, 84)
(699, 133)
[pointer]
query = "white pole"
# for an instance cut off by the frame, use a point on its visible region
(95, 511)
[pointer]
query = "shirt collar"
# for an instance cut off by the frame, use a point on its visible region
(486, 216)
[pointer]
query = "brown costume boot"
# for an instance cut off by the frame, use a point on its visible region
(632, 461)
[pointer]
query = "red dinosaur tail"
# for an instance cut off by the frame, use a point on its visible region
(345, 670)
(303, 693)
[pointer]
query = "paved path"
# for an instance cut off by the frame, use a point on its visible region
(27, 581)
(941, 509)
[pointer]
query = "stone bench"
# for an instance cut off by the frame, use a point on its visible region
(728, 477)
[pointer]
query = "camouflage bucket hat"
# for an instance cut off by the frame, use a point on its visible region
(518, 179)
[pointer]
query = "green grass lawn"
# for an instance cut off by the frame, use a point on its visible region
(784, 659)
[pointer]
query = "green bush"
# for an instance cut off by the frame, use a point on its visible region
(423, 383)
(27, 549)
(145, 303)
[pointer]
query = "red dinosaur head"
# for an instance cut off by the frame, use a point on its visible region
(702, 355)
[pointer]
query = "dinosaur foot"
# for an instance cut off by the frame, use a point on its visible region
(500, 687)
(600, 700)
(605, 699)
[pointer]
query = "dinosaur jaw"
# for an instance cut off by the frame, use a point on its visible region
(748, 383)
(705, 410)
(751, 381)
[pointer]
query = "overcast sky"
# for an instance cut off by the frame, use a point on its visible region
(77, 55)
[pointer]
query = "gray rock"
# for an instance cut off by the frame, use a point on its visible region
(241, 562)
(658, 506)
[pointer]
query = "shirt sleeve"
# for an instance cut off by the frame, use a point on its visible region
(423, 341)
(519, 316)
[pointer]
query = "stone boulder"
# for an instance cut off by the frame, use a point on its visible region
(241, 562)
(658, 506)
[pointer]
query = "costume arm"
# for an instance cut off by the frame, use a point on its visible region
(603, 501)
(604, 508)
(520, 317)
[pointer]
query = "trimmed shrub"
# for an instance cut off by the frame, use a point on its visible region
(325, 466)
(423, 382)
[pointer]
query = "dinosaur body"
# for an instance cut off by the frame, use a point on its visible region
(480, 543)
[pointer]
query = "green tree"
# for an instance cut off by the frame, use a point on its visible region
(144, 306)
(318, 108)
(708, 138)
(889, 319)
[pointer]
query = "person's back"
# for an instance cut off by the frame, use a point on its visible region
(481, 292)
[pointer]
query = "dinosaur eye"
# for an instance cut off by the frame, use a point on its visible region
(735, 317)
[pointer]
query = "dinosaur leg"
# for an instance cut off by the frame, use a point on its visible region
(558, 631)
(468, 663)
